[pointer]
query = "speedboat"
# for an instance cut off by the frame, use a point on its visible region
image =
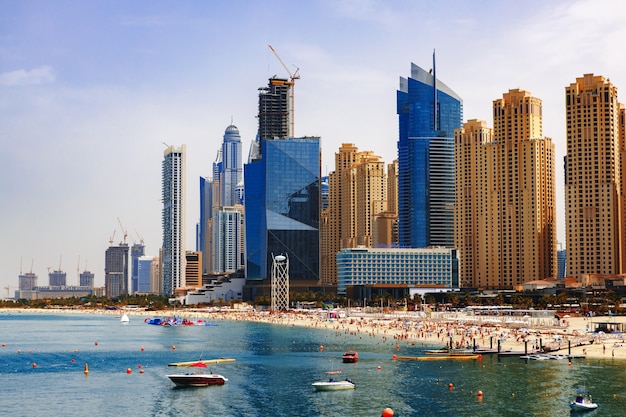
(197, 379)
(350, 356)
(332, 385)
(583, 401)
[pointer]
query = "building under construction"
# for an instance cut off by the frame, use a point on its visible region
(274, 109)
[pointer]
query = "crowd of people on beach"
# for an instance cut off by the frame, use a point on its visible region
(461, 332)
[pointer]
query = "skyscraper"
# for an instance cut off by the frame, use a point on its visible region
(206, 218)
(428, 113)
(173, 219)
(228, 243)
(116, 270)
(505, 213)
(232, 167)
(593, 178)
(274, 110)
(282, 207)
(136, 251)
(357, 195)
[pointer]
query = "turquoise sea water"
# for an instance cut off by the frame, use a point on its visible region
(272, 375)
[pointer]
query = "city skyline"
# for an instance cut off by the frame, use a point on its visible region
(90, 91)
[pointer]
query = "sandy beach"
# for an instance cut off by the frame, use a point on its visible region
(571, 335)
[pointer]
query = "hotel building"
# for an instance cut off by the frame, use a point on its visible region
(363, 270)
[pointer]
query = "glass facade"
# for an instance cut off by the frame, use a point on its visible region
(433, 267)
(282, 208)
(428, 113)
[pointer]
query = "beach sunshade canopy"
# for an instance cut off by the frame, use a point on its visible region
(198, 365)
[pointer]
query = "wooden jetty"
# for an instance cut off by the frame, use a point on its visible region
(454, 357)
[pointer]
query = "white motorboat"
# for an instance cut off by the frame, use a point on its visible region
(197, 379)
(332, 385)
(583, 401)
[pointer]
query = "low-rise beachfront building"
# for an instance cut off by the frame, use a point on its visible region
(361, 270)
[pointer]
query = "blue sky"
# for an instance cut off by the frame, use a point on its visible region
(89, 91)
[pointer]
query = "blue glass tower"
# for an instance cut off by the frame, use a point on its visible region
(282, 207)
(428, 112)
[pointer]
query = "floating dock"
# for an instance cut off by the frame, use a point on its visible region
(204, 361)
(457, 357)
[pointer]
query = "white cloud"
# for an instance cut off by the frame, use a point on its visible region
(39, 75)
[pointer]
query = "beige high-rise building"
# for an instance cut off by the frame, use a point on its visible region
(593, 182)
(505, 209)
(357, 195)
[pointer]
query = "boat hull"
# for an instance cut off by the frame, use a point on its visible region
(350, 356)
(197, 380)
(583, 407)
(333, 386)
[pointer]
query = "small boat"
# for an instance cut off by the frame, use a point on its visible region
(350, 356)
(583, 401)
(197, 379)
(124, 318)
(334, 372)
(437, 351)
(332, 385)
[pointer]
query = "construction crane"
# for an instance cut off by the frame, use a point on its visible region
(292, 78)
(123, 230)
(111, 238)
(139, 236)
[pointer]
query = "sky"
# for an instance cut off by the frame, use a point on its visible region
(90, 91)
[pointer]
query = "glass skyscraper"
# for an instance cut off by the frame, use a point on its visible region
(428, 113)
(282, 209)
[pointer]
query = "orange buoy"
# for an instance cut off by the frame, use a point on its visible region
(378, 367)
(479, 393)
(450, 386)
(321, 347)
(394, 357)
(86, 370)
(75, 350)
(19, 351)
(397, 347)
(173, 347)
(139, 366)
(129, 371)
(34, 365)
(142, 349)
(387, 412)
(4, 344)
(73, 360)
(141, 372)
(96, 343)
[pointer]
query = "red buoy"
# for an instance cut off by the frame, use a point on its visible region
(387, 412)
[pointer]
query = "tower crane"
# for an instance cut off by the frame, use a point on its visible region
(111, 238)
(292, 77)
(123, 230)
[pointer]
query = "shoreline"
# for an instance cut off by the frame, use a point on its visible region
(567, 336)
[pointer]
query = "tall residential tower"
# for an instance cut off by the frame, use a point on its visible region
(505, 212)
(173, 219)
(593, 178)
